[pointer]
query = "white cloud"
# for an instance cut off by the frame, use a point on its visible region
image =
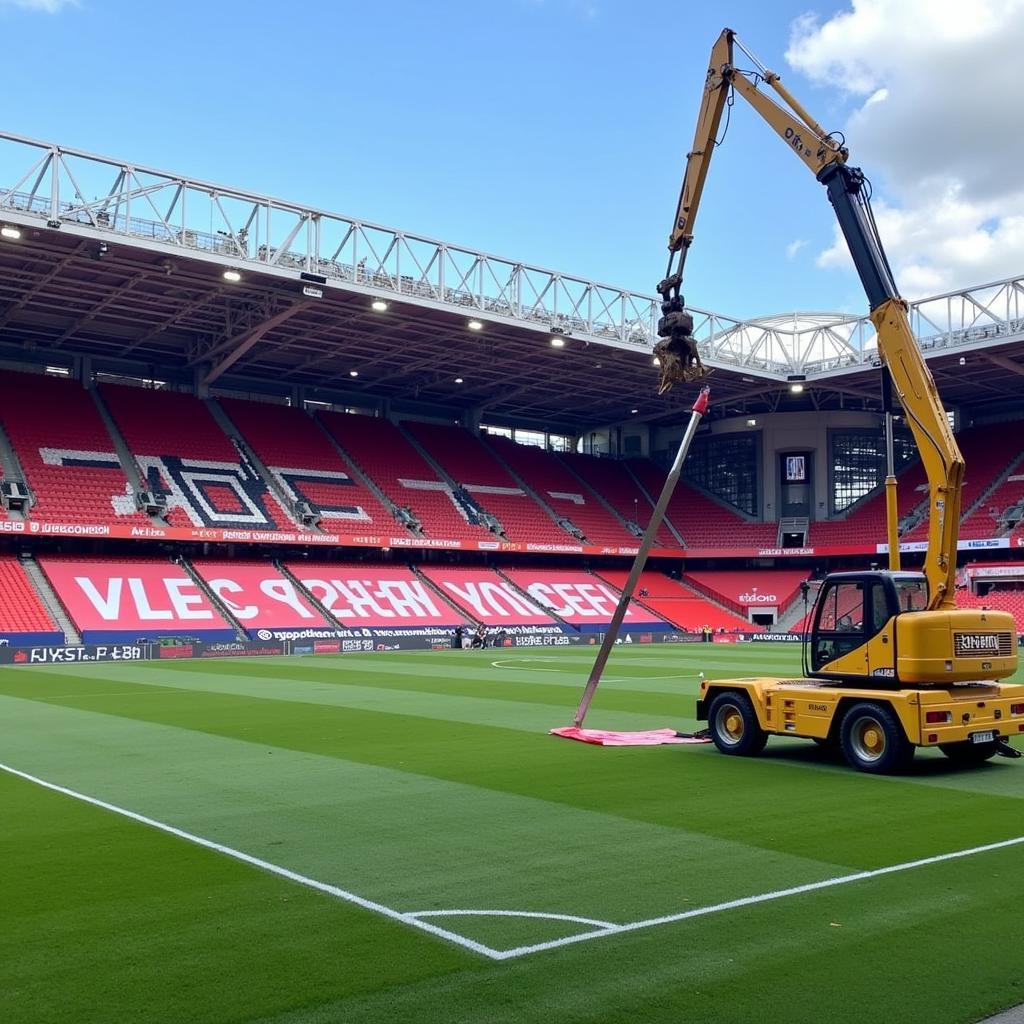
(794, 247)
(46, 6)
(936, 87)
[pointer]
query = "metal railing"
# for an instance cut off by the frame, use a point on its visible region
(158, 209)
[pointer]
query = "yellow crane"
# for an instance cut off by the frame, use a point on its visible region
(890, 662)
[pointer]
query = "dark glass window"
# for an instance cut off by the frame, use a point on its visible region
(726, 465)
(858, 464)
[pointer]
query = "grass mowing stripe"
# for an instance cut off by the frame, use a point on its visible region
(410, 842)
(768, 897)
(780, 804)
(258, 862)
(479, 702)
(416, 920)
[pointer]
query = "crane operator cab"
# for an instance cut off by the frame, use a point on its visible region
(877, 626)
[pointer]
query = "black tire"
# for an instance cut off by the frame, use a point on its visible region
(969, 753)
(873, 740)
(733, 725)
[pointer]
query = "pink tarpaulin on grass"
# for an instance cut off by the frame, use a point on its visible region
(651, 738)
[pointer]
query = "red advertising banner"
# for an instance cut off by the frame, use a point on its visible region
(754, 588)
(132, 597)
(488, 598)
(258, 595)
(361, 595)
(577, 597)
(216, 535)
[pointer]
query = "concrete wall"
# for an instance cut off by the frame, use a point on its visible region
(781, 432)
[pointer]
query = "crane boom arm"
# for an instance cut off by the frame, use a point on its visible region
(847, 189)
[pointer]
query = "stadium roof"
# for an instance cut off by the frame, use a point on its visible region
(134, 279)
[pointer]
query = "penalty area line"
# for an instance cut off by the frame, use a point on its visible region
(264, 865)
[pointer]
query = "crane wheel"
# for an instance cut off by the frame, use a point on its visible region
(873, 740)
(733, 725)
(970, 753)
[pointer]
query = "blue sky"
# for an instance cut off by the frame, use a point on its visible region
(549, 131)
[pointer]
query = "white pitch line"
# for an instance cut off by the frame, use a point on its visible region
(414, 920)
(766, 897)
(263, 865)
(508, 662)
(512, 913)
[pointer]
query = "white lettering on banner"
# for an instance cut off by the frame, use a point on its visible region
(243, 612)
(588, 600)
(182, 603)
(489, 598)
(138, 592)
(962, 545)
(284, 591)
(407, 598)
(108, 605)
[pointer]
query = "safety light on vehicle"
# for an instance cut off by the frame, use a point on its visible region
(938, 717)
(1017, 709)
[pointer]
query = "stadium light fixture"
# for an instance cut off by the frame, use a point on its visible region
(557, 341)
(458, 380)
(751, 423)
(232, 275)
(353, 373)
(796, 389)
(656, 361)
(475, 325)
(633, 412)
(10, 231)
(378, 305)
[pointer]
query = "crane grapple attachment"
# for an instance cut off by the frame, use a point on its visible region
(677, 353)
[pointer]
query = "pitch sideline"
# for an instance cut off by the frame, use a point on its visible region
(416, 919)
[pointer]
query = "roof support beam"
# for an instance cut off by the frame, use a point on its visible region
(1004, 363)
(32, 292)
(245, 341)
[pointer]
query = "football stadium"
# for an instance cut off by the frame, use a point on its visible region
(312, 530)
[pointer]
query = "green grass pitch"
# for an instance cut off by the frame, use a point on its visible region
(425, 784)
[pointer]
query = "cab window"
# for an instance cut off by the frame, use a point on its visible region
(843, 611)
(912, 595)
(840, 625)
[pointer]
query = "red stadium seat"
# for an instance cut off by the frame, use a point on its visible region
(465, 459)
(615, 484)
(384, 454)
(564, 493)
(22, 613)
(701, 522)
(187, 456)
(297, 452)
(66, 451)
(678, 604)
